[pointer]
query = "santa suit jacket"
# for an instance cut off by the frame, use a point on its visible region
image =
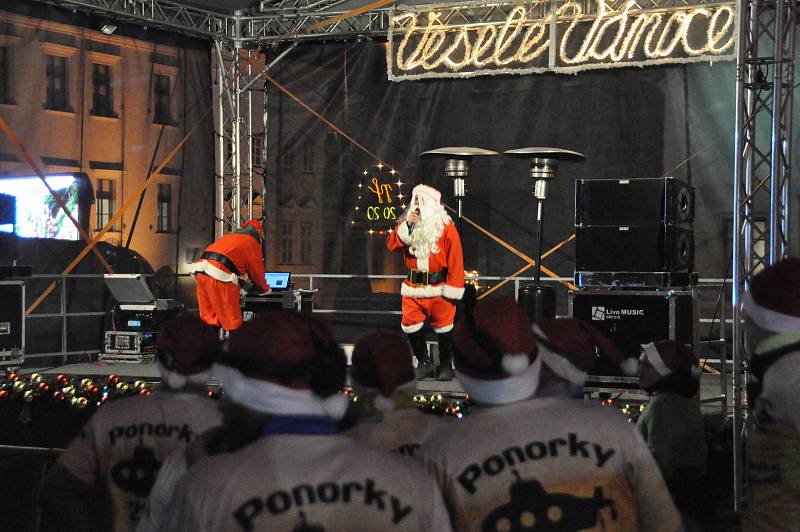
(244, 251)
(450, 257)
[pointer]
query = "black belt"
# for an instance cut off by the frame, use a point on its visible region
(417, 277)
(222, 259)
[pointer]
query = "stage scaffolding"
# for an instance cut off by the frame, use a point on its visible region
(764, 88)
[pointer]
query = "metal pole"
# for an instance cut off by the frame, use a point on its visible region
(236, 193)
(219, 200)
(776, 142)
(540, 224)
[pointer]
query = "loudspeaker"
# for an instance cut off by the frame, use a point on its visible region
(12, 318)
(655, 248)
(641, 201)
(633, 318)
(8, 209)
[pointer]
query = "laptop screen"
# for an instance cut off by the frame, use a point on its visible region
(277, 280)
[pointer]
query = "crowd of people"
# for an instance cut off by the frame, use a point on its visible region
(284, 448)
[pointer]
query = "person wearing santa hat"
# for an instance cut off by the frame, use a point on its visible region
(522, 462)
(672, 425)
(283, 466)
(570, 349)
(233, 259)
(771, 307)
(102, 480)
(433, 255)
(385, 416)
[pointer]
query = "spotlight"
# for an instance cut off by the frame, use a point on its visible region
(108, 28)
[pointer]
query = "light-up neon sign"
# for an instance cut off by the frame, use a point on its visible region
(430, 42)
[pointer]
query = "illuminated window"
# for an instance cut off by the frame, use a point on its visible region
(258, 149)
(6, 87)
(287, 242)
(162, 94)
(164, 215)
(104, 205)
(57, 96)
(102, 97)
(305, 243)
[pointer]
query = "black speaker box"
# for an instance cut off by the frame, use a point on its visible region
(651, 248)
(12, 317)
(641, 201)
(630, 319)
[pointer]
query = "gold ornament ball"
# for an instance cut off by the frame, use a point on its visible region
(19, 386)
(86, 383)
(36, 378)
(122, 387)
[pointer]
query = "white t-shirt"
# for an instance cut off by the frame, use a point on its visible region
(283, 482)
(125, 442)
(401, 430)
(558, 463)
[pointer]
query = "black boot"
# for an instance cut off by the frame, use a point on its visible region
(419, 347)
(444, 371)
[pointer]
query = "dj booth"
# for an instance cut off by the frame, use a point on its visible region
(283, 296)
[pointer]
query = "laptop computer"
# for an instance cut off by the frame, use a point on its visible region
(278, 281)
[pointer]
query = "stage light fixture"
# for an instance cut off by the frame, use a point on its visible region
(108, 28)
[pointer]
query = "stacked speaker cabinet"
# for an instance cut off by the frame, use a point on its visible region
(634, 260)
(12, 322)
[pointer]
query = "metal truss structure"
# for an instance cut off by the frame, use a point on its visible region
(762, 168)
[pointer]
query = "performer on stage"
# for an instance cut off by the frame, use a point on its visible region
(432, 252)
(232, 259)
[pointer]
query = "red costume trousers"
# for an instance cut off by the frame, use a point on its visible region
(219, 303)
(440, 310)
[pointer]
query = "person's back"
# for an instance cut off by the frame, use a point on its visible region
(283, 481)
(549, 460)
(102, 480)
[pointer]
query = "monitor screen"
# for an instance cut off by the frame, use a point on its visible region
(277, 280)
(37, 214)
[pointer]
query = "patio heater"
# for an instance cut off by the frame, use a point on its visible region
(536, 300)
(457, 166)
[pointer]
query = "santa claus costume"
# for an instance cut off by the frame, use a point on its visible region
(433, 255)
(772, 308)
(281, 375)
(382, 375)
(102, 480)
(231, 259)
(522, 462)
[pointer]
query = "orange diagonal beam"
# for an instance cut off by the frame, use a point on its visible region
(60, 202)
(529, 265)
(132, 198)
(518, 253)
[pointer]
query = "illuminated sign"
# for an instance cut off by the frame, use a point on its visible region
(521, 38)
(380, 200)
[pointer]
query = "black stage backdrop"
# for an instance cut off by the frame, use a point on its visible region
(649, 122)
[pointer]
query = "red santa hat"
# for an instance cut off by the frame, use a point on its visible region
(773, 298)
(427, 193)
(495, 352)
(256, 224)
(381, 363)
(571, 348)
(668, 356)
(185, 350)
(284, 363)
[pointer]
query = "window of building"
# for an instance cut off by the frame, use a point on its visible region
(104, 204)
(287, 242)
(57, 96)
(305, 243)
(162, 94)
(102, 97)
(258, 150)
(6, 88)
(164, 212)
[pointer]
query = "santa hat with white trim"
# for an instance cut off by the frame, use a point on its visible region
(773, 299)
(669, 356)
(382, 363)
(495, 352)
(284, 363)
(572, 348)
(427, 193)
(185, 350)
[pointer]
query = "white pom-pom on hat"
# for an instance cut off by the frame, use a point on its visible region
(515, 364)
(630, 366)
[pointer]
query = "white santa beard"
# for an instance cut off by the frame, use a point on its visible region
(428, 231)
